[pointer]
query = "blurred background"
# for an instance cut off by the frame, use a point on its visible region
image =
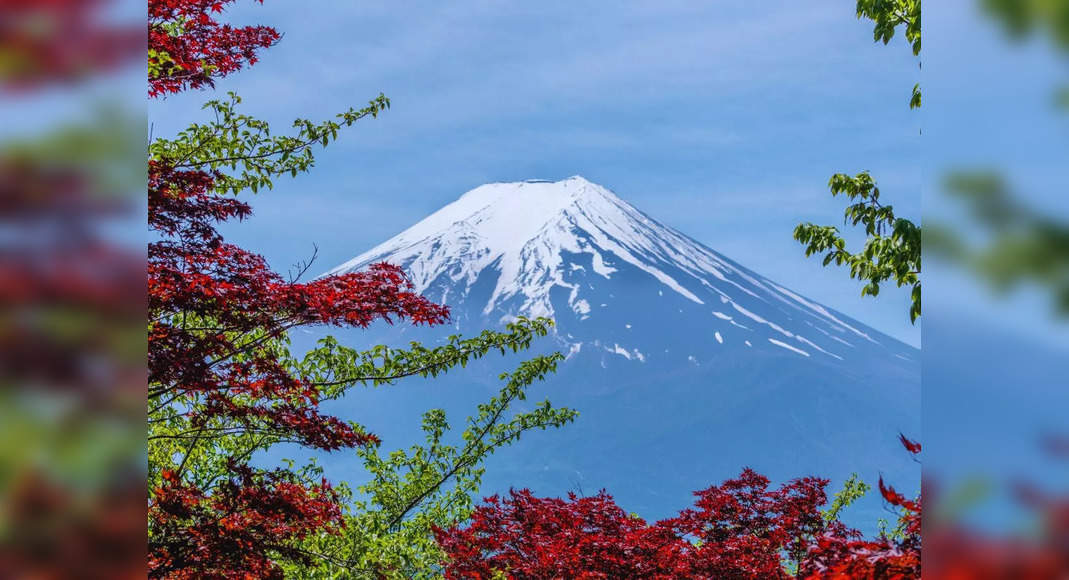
(996, 330)
(72, 289)
(995, 335)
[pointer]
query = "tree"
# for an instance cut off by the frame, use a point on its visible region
(222, 382)
(892, 250)
(741, 529)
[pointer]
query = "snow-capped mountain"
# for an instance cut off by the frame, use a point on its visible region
(685, 366)
(558, 249)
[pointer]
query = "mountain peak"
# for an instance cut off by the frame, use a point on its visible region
(520, 227)
(572, 247)
(546, 195)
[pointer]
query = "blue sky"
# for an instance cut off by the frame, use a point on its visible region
(722, 120)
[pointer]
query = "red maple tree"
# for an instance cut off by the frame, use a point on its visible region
(738, 530)
(741, 529)
(215, 310)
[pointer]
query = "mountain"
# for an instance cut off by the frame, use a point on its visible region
(684, 365)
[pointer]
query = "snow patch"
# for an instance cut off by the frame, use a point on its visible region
(810, 343)
(760, 320)
(823, 312)
(840, 340)
(788, 347)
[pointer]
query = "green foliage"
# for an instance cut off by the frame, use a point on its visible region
(245, 145)
(853, 490)
(334, 368)
(1018, 244)
(410, 492)
(888, 15)
(892, 250)
(1022, 17)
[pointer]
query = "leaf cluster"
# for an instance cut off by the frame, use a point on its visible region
(892, 250)
(887, 16)
(244, 145)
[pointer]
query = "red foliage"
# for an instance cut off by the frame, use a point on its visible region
(531, 537)
(230, 533)
(198, 48)
(910, 445)
(744, 527)
(897, 558)
(238, 303)
(738, 530)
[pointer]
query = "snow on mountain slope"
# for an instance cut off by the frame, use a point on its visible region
(534, 239)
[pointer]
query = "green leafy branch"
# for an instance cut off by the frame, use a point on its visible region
(891, 252)
(334, 368)
(887, 16)
(245, 146)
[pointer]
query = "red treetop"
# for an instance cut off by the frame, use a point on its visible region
(188, 48)
(738, 530)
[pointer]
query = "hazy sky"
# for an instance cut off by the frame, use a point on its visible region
(724, 121)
